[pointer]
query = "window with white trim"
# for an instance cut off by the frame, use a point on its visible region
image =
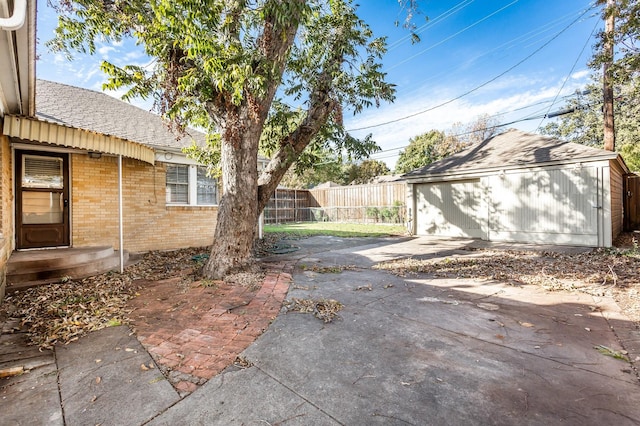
(177, 184)
(190, 185)
(207, 188)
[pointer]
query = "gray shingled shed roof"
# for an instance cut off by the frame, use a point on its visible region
(86, 109)
(509, 150)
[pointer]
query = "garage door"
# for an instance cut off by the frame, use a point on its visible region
(550, 206)
(453, 209)
(559, 206)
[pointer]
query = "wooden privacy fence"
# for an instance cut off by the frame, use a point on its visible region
(374, 203)
(288, 205)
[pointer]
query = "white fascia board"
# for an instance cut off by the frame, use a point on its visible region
(478, 173)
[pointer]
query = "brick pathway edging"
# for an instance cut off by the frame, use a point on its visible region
(191, 356)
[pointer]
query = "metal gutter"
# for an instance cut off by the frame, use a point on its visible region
(17, 19)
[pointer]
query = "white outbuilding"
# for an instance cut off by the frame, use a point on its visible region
(521, 187)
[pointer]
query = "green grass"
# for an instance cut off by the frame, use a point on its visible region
(308, 229)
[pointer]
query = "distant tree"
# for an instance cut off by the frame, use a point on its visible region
(424, 149)
(369, 169)
(585, 124)
(483, 127)
(331, 170)
(626, 39)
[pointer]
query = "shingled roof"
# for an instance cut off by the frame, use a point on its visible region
(95, 111)
(509, 150)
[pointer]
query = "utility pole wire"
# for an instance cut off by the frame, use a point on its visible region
(567, 77)
(477, 87)
(535, 117)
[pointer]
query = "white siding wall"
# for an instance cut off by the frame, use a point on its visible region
(561, 205)
(547, 206)
(454, 209)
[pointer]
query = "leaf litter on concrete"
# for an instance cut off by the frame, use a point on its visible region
(600, 272)
(324, 309)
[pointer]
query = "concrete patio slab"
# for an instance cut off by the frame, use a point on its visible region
(417, 350)
(103, 381)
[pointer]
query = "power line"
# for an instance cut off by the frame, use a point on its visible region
(569, 74)
(533, 115)
(546, 115)
(479, 86)
(454, 35)
(511, 44)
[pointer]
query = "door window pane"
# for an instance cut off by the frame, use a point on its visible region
(42, 172)
(42, 207)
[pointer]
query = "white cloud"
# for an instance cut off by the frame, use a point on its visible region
(581, 75)
(133, 55)
(105, 50)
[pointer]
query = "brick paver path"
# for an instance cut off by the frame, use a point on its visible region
(194, 332)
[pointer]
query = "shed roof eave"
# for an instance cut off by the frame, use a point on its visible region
(472, 173)
(57, 134)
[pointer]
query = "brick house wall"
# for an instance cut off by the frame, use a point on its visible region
(6, 209)
(149, 223)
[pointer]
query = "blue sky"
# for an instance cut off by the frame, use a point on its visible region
(512, 58)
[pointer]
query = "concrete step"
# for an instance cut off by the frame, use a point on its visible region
(51, 267)
(42, 260)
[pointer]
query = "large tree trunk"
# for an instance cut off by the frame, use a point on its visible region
(238, 209)
(241, 129)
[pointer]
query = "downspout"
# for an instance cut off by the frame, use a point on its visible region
(120, 225)
(15, 21)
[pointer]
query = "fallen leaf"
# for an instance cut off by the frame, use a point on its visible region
(488, 306)
(364, 287)
(143, 367)
(621, 355)
(12, 371)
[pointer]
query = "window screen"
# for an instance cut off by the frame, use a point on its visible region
(207, 188)
(178, 184)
